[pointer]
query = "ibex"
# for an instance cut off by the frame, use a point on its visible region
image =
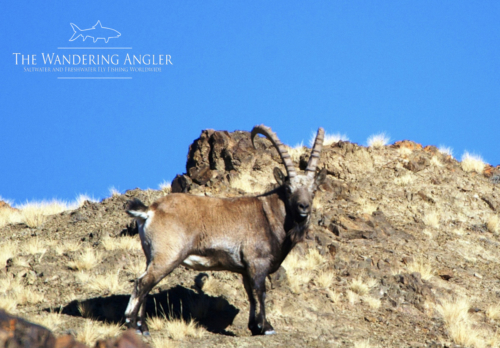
(247, 235)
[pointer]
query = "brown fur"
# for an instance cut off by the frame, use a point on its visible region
(248, 235)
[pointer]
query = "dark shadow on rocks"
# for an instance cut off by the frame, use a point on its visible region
(213, 313)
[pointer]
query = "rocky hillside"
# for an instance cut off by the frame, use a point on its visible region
(403, 252)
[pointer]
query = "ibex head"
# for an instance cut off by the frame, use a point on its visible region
(300, 188)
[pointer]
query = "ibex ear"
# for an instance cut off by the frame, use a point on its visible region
(279, 176)
(320, 178)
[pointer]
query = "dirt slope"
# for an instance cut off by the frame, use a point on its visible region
(397, 234)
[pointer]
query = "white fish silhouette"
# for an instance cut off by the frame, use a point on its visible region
(96, 32)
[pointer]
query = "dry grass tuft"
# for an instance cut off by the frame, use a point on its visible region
(493, 312)
(156, 323)
(68, 245)
(87, 260)
(165, 187)
(325, 279)
(8, 249)
(9, 216)
(363, 344)
(34, 214)
(404, 151)
(374, 303)
(9, 304)
(300, 268)
(162, 342)
(352, 297)
(493, 224)
(52, 320)
(404, 180)
(425, 269)
(136, 267)
(85, 310)
(178, 329)
(436, 162)
(121, 243)
(329, 138)
(459, 323)
(378, 140)
(472, 163)
(296, 151)
(34, 246)
(108, 283)
(333, 295)
(360, 287)
(94, 330)
(431, 219)
(445, 150)
(114, 192)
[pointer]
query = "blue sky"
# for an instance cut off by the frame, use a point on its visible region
(427, 71)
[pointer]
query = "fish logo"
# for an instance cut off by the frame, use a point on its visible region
(96, 32)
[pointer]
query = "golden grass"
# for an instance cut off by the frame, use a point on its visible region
(94, 330)
(325, 279)
(436, 162)
(493, 224)
(333, 295)
(26, 295)
(404, 180)
(363, 344)
(9, 216)
(378, 140)
(87, 260)
(121, 243)
(9, 304)
(300, 268)
(493, 312)
(136, 267)
(16, 292)
(472, 163)
(296, 151)
(360, 287)
(404, 151)
(85, 310)
(162, 342)
(83, 277)
(445, 150)
(374, 303)
(156, 323)
(460, 325)
(178, 329)
(431, 219)
(114, 192)
(34, 214)
(425, 269)
(352, 297)
(68, 246)
(165, 187)
(34, 246)
(52, 320)
(8, 249)
(108, 283)
(329, 138)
